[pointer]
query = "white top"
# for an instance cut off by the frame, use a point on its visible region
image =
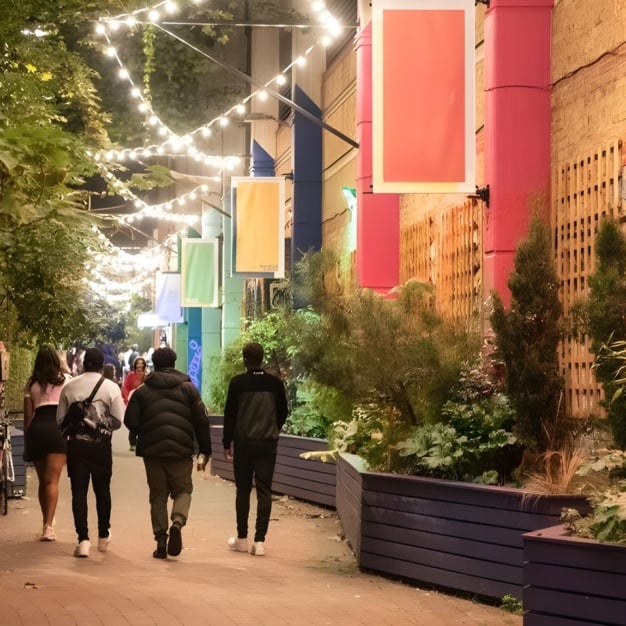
(108, 400)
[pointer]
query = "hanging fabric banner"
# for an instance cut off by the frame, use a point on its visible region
(168, 307)
(423, 75)
(258, 211)
(199, 272)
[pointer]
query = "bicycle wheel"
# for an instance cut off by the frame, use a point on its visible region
(4, 484)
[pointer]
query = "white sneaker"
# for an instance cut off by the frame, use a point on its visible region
(82, 549)
(258, 548)
(103, 542)
(48, 534)
(238, 545)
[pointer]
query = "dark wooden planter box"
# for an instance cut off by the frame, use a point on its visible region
(313, 481)
(461, 536)
(569, 581)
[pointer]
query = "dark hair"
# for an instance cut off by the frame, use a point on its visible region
(108, 371)
(47, 369)
(93, 361)
(163, 357)
(140, 358)
(253, 354)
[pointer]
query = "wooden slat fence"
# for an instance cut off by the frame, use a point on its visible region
(445, 248)
(585, 190)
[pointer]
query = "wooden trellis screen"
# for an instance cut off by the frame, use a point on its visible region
(584, 190)
(445, 249)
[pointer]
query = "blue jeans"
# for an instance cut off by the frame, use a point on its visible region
(253, 462)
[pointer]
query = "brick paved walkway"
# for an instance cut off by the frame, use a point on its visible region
(308, 576)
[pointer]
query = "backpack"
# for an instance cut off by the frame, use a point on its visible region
(82, 420)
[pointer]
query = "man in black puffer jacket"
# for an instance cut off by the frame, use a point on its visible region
(168, 416)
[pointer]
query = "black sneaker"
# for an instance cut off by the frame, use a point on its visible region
(175, 541)
(160, 552)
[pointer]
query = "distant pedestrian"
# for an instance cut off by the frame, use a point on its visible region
(134, 379)
(255, 412)
(44, 445)
(168, 417)
(89, 455)
(108, 371)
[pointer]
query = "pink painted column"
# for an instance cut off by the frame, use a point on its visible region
(378, 218)
(517, 129)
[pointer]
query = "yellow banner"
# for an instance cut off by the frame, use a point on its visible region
(258, 233)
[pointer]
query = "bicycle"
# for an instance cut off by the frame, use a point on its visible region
(7, 468)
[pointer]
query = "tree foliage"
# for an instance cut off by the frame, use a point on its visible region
(527, 338)
(604, 315)
(50, 119)
(396, 351)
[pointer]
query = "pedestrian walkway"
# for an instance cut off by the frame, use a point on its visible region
(307, 577)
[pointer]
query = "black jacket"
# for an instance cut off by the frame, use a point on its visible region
(256, 408)
(167, 415)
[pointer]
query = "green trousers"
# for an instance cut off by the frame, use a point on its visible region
(168, 477)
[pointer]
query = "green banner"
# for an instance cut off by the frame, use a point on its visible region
(199, 272)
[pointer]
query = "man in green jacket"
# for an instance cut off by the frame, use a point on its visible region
(168, 416)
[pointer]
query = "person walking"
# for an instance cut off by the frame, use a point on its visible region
(255, 412)
(134, 379)
(168, 417)
(44, 446)
(89, 454)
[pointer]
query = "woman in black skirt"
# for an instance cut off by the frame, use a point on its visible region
(44, 444)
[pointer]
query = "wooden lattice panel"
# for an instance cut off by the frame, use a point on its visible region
(584, 191)
(444, 248)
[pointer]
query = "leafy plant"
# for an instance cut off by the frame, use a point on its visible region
(315, 409)
(471, 444)
(511, 604)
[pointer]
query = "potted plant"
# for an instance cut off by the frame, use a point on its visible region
(574, 572)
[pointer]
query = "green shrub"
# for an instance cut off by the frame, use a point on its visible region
(471, 444)
(316, 408)
(527, 339)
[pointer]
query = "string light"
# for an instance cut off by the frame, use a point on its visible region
(319, 8)
(174, 143)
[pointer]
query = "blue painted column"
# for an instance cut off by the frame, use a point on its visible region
(262, 162)
(307, 179)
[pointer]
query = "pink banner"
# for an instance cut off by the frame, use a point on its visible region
(423, 96)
